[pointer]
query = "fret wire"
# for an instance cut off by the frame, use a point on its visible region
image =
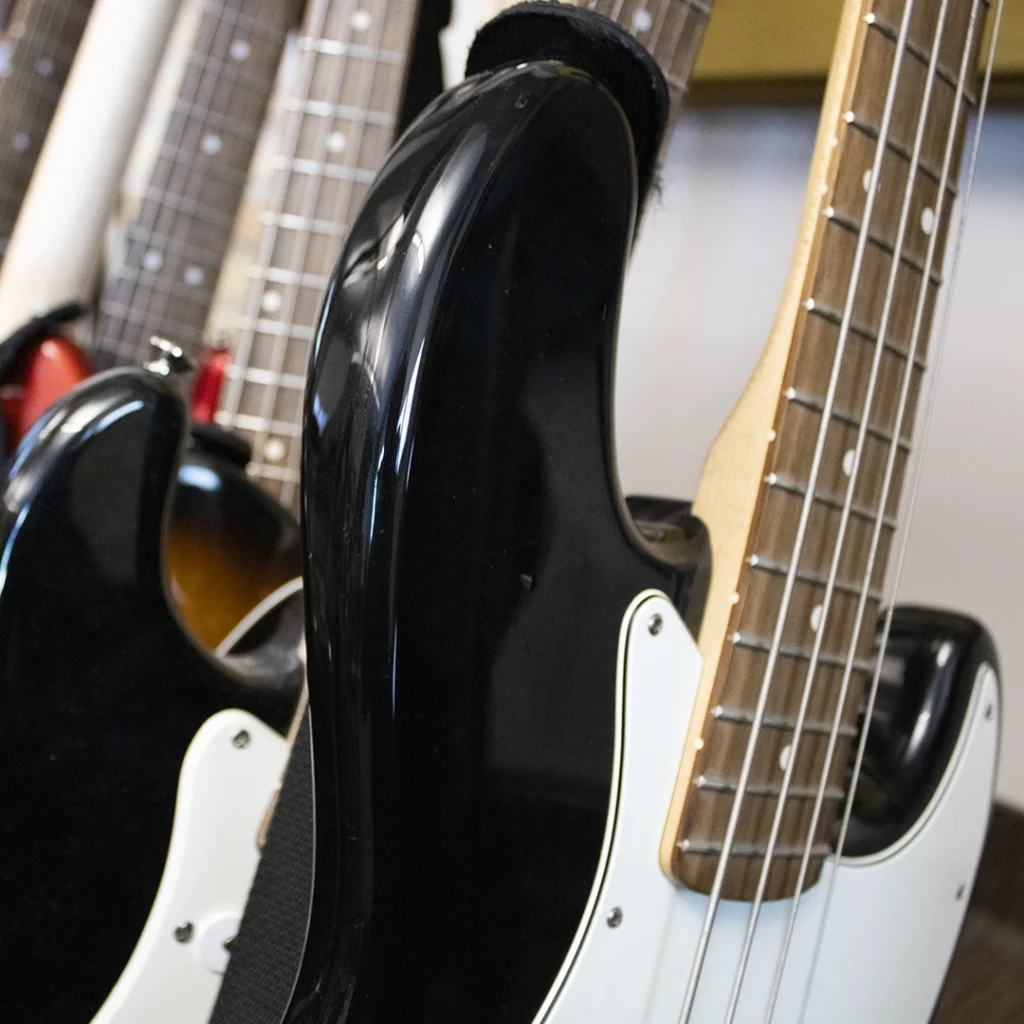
(921, 57)
(847, 419)
(769, 565)
(823, 311)
(743, 716)
(320, 108)
(344, 213)
(748, 758)
(255, 424)
(217, 119)
(868, 129)
(789, 486)
(316, 14)
(919, 315)
(336, 48)
(278, 276)
(366, 73)
(848, 505)
(285, 381)
(854, 227)
(322, 169)
(195, 210)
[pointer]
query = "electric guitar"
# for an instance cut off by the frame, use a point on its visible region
(574, 767)
(98, 720)
(38, 39)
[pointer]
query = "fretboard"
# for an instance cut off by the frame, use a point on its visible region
(801, 492)
(340, 122)
(176, 244)
(37, 46)
(672, 30)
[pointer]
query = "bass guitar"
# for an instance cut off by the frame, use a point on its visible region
(568, 768)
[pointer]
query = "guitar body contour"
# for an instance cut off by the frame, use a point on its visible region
(471, 557)
(101, 691)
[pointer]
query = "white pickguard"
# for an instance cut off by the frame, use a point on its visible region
(894, 918)
(227, 779)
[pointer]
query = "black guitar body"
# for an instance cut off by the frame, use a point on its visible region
(470, 558)
(101, 692)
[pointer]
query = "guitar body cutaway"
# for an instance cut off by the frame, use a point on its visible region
(101, 691)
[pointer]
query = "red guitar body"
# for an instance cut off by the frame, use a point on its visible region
(42, 374)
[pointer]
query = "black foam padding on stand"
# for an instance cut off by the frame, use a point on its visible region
(591, 43)
(266, 954)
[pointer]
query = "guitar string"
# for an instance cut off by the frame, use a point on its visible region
(367, 74)
(344, 208)
(126, 332)
(895, 268)
(300, 85)
(901, 558)
(923, 295)
(715, 895)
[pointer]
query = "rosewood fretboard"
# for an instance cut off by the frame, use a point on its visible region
(177, 242)
(802, 489)
(38, 40)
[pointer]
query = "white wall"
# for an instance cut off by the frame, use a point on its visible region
(706, 277)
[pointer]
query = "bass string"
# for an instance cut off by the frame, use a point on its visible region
(915, 340)
(715, 895)
(887, 305)
(925, 428)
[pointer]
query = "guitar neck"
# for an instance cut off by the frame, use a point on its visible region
(92, 132)
(340, 115)
(177, 242)
(672, 30)
(801, 489)
(38, 40)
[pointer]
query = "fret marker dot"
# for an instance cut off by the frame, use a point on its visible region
(211, 144)
(816, 614)
(642, 20)
(927, 220)
(848, 462)
(273, 450)
(152, 261)
(698, 743)
(271, 302)
(361, 20)
(44, 66)
(240, 49)
(787, 750)
(194, 276)
(336, 142)
(20, 142)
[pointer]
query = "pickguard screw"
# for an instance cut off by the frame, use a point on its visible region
(615, 917)
(988, 713)
(241, 739)
(960, 892)
(184, 932)
(654, 624)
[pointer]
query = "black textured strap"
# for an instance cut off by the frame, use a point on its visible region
(266, 954)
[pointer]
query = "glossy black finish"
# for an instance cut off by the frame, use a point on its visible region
(101, 692)
(929, 672)
(469, 557)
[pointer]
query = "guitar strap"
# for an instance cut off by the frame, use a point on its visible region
(266, 953)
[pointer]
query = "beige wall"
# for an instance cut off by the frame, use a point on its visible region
(702, 292)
